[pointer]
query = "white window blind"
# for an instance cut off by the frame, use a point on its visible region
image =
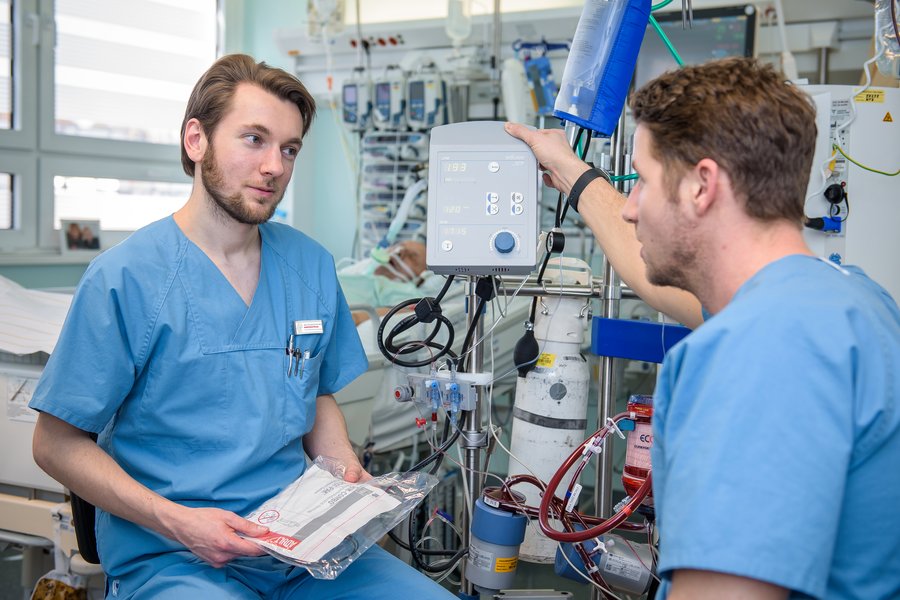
(119, 204)
(6, 95)
(124, 70)
(6, 203)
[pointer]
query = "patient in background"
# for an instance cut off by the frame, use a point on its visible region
(406, 258)
(381, 285)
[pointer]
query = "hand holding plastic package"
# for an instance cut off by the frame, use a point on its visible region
(323, 523)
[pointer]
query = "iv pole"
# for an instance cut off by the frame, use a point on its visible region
(473, 437)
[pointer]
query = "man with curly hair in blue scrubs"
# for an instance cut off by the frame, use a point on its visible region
(776, 424)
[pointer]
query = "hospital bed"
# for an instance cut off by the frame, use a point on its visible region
(34, 513)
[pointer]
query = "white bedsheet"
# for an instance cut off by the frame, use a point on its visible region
(30, 320)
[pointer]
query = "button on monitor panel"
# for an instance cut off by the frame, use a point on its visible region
(482, 201)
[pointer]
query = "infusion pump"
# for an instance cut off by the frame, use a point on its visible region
(426, 95)
(389, 110)
(482, 201)
(356, 96)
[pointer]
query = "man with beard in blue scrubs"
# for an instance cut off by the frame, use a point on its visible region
(174, 353)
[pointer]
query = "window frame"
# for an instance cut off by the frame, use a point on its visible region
(23, 168)
(57, 165)
(34, 153)
(26, 25)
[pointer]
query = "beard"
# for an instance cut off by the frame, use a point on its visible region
(233, 205)
(674, 266)
(674, 272)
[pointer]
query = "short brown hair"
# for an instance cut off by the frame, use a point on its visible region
(743, 114)
(214, 90)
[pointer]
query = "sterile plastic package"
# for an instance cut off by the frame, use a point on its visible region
(323, 523)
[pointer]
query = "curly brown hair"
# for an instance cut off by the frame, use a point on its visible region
(743, 114)
(213, 92)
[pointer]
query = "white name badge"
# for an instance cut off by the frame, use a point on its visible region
(308, 327)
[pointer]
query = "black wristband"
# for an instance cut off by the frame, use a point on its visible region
(582, 182)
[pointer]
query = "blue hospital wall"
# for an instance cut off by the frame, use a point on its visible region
(322, 200)
(44, 276)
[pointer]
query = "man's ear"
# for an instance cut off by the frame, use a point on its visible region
(195, 140)
(705, 185)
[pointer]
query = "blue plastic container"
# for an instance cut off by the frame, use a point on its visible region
(601, 63)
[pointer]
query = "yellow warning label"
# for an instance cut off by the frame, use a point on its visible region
(888, 118)
(506, 565)
(876, 96)
(546, 360)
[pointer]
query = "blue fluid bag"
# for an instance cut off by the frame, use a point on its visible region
(601, 62)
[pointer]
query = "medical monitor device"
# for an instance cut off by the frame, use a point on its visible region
(356, 101)
(389, 107)
(482, 201)
(426, 95)
(716, 33)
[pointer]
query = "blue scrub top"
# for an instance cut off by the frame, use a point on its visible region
(776, 452)
(186, 384)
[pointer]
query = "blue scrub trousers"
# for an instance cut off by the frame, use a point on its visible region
(181, 575)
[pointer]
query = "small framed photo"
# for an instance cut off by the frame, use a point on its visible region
(79, 236)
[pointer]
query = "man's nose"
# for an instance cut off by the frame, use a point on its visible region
(273, 162)
(629, 209)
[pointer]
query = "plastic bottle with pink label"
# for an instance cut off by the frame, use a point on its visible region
(638, 444)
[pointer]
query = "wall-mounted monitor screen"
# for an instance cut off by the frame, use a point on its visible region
(716, 33)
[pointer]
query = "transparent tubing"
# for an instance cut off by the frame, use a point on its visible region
(788, 62)
(412, 192)
(887, 33)
(550, 493)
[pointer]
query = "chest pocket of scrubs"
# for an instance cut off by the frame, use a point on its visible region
(300, 391)
(195, 404)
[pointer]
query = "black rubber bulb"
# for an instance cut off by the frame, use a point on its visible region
(526, 352)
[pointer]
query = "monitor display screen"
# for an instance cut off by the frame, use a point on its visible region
(716, 33)
(383, 94)
(350, 94)
(416, 91)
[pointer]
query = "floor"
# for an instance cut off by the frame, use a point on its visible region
(10, 570)
(528, 576)
(11, 573)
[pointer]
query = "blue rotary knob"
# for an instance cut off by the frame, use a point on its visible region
(504, 242)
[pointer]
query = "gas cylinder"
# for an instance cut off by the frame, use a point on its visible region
(550, 410)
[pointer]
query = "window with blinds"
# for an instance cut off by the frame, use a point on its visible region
(120, 204)
(124, 70)
(92, 95)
